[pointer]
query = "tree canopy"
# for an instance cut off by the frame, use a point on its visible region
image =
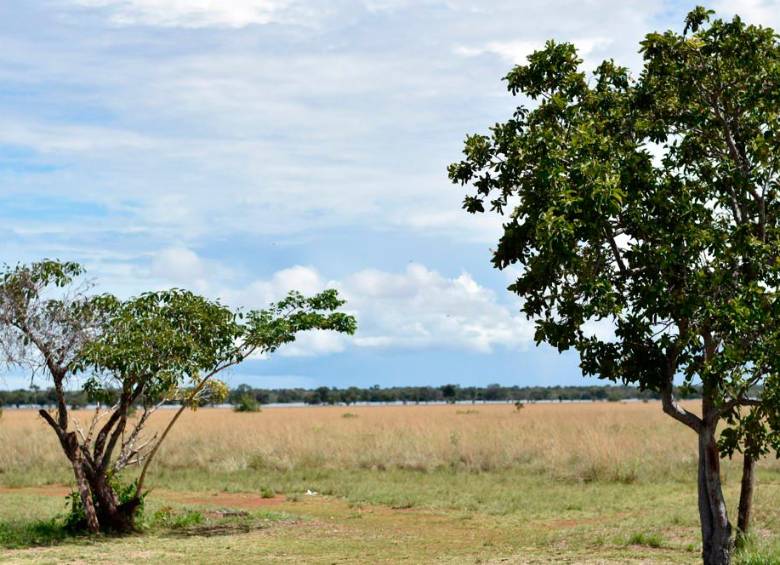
(650, 204)
(148, 350)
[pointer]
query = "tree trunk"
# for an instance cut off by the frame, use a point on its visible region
(114, 517)
(715, 525)
(90, 514)
(746, 498)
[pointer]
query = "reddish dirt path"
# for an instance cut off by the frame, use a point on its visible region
(45, 490)
(229, 499)
(245, 500)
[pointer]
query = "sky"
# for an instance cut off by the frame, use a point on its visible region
(243, 148)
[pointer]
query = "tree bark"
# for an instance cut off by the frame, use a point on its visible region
(90, 513)
(746, 498)
(113, 516)
(715, 525)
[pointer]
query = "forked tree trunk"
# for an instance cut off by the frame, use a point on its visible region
(746, 498)
(715, 525)
(113, 516)
(90, 513)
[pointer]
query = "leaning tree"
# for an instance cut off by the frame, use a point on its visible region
(157, 348)
(651, 203)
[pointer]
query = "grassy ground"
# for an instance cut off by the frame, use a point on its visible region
(602, 483)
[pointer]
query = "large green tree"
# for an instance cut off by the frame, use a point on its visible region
(157, 348)
(650, 203)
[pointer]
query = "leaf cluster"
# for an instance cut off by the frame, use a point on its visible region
(648, 204)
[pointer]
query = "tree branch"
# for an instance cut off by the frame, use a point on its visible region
(673, 409)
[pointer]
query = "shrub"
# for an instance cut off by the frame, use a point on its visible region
(267, 492)
(247, 403)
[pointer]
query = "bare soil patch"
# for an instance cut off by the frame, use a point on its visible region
(45, 490)
(244, 500)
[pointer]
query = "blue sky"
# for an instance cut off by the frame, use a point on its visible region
(243, 148)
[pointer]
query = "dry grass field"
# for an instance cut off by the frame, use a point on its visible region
(596, 482)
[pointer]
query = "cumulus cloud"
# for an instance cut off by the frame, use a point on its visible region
(204, 119)
(220, 124)
(178, 264)
(516, 52)
(420, 307)
(761, 12)
(412, 309)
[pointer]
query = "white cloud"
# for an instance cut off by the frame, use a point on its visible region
(259, 293)
(420, 307)
(219, 133)
(411, 309)
(314, 343)
(178, 264)
(761, 12)
(415, 308)
(193, 13)
(516, 52)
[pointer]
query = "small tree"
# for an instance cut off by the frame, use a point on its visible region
(247, 403)
(449, 392)
(159, 347)
(679, 253)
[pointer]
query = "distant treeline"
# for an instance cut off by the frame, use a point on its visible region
(376, 394)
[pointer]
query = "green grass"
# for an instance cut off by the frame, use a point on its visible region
(460, 500)
(759, 552)
(20, 534)
(397, 515)
(646, 539)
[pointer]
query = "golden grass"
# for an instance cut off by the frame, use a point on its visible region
(581, 442)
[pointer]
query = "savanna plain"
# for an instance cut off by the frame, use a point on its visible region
(548, 483)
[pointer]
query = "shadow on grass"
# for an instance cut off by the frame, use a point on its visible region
(40, 533)
(192, 523)
(214, 530)
(166, 523)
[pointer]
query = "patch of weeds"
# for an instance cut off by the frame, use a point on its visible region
(626, 474)
(677, 520)
(466, 412)
(274, 516)
(168, 517)
(261, 462)
(267, 492)
(647, 540)
(753, 553)
(349, 415)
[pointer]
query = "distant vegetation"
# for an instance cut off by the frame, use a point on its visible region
(245, 396)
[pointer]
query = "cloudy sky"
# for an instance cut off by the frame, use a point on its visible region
(241, 148)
